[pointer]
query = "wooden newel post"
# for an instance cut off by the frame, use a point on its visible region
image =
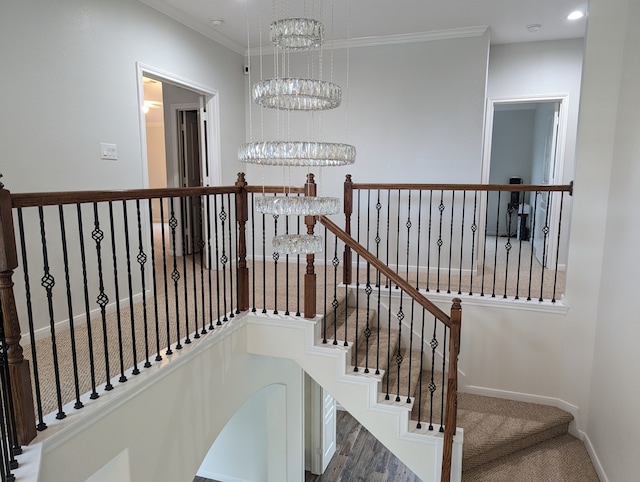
(18, 366)
(451, 417)
(310, 189)
(348, 209)
(242, 207)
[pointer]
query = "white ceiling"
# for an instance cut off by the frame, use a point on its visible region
(373, 19)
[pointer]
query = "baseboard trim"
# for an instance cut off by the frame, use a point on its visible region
(222, 478)
(593, 455)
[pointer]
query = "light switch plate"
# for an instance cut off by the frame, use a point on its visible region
(108, 151)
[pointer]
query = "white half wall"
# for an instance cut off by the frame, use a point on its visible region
(168, 425)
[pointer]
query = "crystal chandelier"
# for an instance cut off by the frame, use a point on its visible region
(289, 93)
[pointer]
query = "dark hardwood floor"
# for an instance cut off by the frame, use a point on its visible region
(359, 457)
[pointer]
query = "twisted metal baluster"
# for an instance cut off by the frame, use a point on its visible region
(136, 370)
(223, 260)
(122, 378)
(48, 282)
(141, 258)
(72, 332)
(185, 282)
(208, 210)
(155, 283)
(34, 356)
(474, 229)
(87, 310)
(440, 242)
(175, 274)
(98, 236)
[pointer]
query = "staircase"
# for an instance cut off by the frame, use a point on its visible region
(503, 439)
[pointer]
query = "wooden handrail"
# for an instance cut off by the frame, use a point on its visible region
(275, 189)
(23, 200)
(385, 270)
(467, 187)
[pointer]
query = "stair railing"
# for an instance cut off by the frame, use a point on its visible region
(453, 322)
(497, 240)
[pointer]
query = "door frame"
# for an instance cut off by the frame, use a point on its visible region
(211, 161)
(558, 169)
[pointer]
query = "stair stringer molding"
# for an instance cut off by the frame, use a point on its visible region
(293, 338)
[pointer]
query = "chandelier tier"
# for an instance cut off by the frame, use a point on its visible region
(297, 34)
(297, 153)
(297, 206)
(297, 94)
(297, 244)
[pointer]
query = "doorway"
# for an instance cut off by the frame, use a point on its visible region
(524, 142)
(180, 134)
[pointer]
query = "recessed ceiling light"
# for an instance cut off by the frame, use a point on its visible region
(534, 27)
(575, 15)
(217, 22)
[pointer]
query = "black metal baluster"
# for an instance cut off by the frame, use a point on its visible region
(233, 223)
(141, 258)
(325, 286)
(388, 340)
(98, 236)
(440, 242)
(8, 430)
(202, 245)
(388, 230)
(34, 356)
(136, 370)
(532, 241)
(223, 260)
(453, 202)
(495, 252)
(217, 237)
(408, 224)
(87, 310)
(48, 282)
(420, 377)
(286, 267)
(299, 286)
(474, 228)
(155, 284)
(191, 213)
(432, 384)
(429, 239)
(444, 376)
(185, 282)
(116, 286)
(464, 208)
(253, 256)
(377, 238)
(555, 277)
(484, 246)
(164, 272)
(398, 235)
(208, 211)
(334, 303)
(175, 274)
(264, 264)
(418, 240)
(275, 256)
(507, 247)
(399, 357)
(355, 348)
(72, 331)
(520, 241)
(545, 241)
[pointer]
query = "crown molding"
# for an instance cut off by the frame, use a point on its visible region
(453, 33)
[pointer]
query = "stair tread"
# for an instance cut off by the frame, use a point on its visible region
(561, 459)
(494, 427)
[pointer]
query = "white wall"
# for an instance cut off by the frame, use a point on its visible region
(415, 112)
(253, 434)
(610, 124)
(168, 426)
(73, 85)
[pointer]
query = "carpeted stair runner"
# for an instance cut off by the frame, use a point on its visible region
(504, 440)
